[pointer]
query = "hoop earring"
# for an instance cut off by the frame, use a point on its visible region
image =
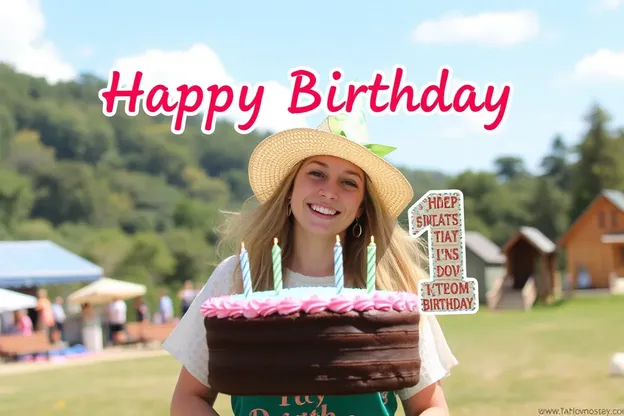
(288, 210)
(357, 228)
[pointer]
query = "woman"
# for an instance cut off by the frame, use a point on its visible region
(46, 316)
(23, 324)
(313, 184)
(92, 336)
(141, 310)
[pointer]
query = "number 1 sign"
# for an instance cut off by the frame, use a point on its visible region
(449, 291)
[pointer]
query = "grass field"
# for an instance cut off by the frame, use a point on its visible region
(511, 363)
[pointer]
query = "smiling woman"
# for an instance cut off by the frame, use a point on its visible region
(327, 198)
(313, 185)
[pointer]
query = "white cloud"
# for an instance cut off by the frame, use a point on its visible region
(23, 45)
(494, 29)
(604, 65)
(200, 65)
(196, 65)
(601, 6)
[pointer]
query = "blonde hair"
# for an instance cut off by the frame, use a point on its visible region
(401, 261)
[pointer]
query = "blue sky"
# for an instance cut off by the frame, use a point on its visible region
(535, 45)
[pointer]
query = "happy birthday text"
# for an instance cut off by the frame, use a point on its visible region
(313, 404)
(441, 215)
(383, 96)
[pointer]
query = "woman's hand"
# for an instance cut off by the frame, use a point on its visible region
(430, 401)
(192, 398)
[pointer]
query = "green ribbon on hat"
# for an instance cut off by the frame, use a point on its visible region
(353, 127)
(380, 150)
(342, 125)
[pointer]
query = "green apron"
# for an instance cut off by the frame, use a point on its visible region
(376, 404)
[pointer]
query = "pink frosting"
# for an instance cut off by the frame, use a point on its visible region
(383, 302)
(229, 307)
(289, 306)
(363, 303)
(314, 305)
(340, 304)
(251, 309)
(268, 306)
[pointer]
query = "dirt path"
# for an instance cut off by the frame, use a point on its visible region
(7, 369)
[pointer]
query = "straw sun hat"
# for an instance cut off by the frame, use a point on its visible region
(342, 136)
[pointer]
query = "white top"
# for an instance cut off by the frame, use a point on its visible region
(58, 312)
(117, 312)
(188, 295)
(187, 342)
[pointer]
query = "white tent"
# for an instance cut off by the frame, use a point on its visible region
(15, 301)
(105, 290)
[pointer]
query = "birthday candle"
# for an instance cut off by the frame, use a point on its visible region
(338, 270)
(244, 261)
(277, 266)
(371, 266)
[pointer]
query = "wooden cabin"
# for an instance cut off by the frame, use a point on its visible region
(530, 271)
(594, 243)
(530, 254)
(484, 262)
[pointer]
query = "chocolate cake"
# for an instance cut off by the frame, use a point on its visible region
(312, 341)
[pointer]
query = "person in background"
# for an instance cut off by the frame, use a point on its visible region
(199, 287)
(117, 312)
(46, 316)
(92, 337)
(7, 319)
(157, 318)
(59, 318)
(187, 295)
(23, 324)
(140, 307)
(32, 313)
(165, 307)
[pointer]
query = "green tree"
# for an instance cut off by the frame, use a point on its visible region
(555, 165)
(599, 163)
(549, 208)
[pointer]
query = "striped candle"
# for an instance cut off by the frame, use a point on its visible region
(244, 262)
(338, 270)
(277, 267)
(371, 266)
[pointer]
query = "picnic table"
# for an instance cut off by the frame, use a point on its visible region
(15, 345)
(145, 332)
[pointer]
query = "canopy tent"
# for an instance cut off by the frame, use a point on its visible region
(13, 301)
(105, 290)
(38, 263)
